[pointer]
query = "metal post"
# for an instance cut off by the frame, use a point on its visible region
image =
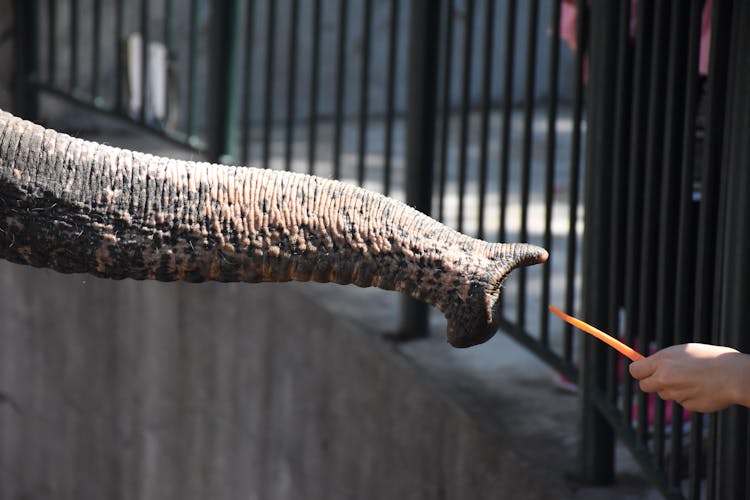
(26, 54)
(420, 134)
(222, 99)
(734, 241)
(596, 445)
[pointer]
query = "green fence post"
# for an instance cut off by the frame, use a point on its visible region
(424, 28)
(222, 102)
(596, 444)
(26, 55)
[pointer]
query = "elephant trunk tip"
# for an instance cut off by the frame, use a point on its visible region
(475, 319)
(526, 254)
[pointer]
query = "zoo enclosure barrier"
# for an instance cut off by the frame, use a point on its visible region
(666, 204)
(426, 101)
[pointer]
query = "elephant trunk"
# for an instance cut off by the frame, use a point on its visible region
(78, 206)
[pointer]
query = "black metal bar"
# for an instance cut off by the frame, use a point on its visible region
(465, 104)
(169, 26)
(733, 286)
(509, 57)
(312, 137)
(145, 41)
(575, 171)
(291, 84)
(390, 96)
(420, 140)
(51, 40)
(489, 23)
(635, 184)
(445, 107)
(652, 180)
(247, 82)
(526, 154)
(26, 54)
(95, 52)
(73, 46)
(549, 169)
(119, 54)
(619, 199)
(221, 103)
(340, 87)
(685, 283)
(364, 90)
(669, 207)
(192, 111)
(269, 88)
(596, 445)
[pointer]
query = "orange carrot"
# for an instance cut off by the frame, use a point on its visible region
(611, 341)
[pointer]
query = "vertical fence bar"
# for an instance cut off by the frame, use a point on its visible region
(222, 95)
(707, 302)
(575, 171)
(685, 266)
(668, 203)
(619, 198)
(526, 154)
(596, 445)
(73, 46)
(390, 94)
(549, 169)
(192, 112)
(247, 82)
(489, 23)
(340, 87)
(119, 54)
(445, 108)
(635, 192)
(364, 90)
(51, 41)
(649, 222)
(509, 57)
(269, 84)
(26, 55)
(725, 170)
(169, 26)
(312, 134)
(291, 85)
(465, 108)
(145, 41)
(686, 259)
(95, 62)
(424, 29)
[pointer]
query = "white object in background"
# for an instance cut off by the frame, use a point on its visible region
(156, 87)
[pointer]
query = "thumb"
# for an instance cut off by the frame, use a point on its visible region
(643, 368)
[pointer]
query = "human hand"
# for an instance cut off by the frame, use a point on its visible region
(701, 377)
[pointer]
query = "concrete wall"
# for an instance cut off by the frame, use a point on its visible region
(143, 390)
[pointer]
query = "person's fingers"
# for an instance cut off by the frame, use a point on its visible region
(650, 385)
(643, 368)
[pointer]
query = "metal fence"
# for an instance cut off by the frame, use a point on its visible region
(665, 166)
(471, 110)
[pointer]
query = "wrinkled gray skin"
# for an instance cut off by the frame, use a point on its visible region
(77, 206)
